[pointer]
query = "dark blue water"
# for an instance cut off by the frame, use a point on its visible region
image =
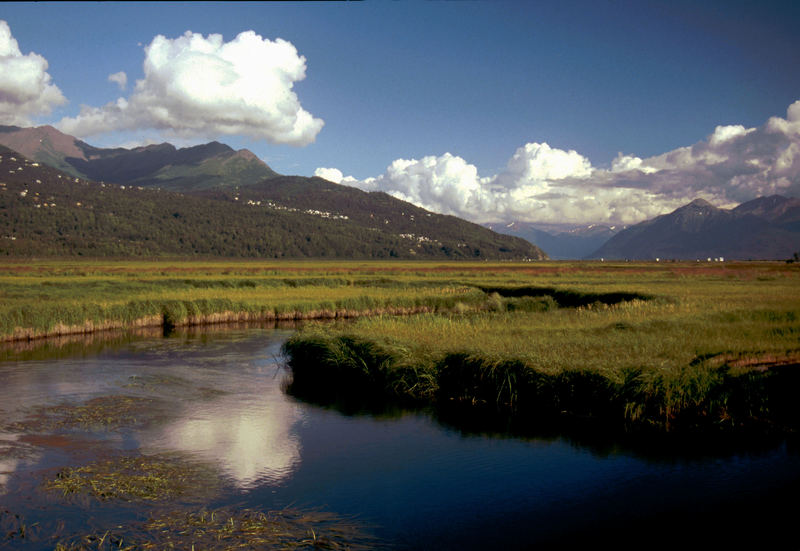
(418, 483)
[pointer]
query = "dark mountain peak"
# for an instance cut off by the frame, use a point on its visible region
(780, 210)
(701, 204)
(768, 206)
(693, 215)
(196, 154)
(210, 149)
(151, 148)
(701, 230)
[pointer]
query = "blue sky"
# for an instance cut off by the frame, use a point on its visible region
(480, 81)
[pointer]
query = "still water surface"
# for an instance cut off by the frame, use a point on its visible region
(419, 484)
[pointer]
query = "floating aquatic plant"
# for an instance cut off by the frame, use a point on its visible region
(138, 478)
(228, 530)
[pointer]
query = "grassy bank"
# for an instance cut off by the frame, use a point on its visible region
(679, 347)
(60, 298)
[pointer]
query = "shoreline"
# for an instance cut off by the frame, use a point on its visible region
(731, 394)
(216, 318)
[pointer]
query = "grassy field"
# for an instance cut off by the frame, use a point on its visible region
(681, 345)
(52, 298)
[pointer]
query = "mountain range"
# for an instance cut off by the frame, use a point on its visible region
(208, 200)
(213, 200)
(201, 167)
(766, 228)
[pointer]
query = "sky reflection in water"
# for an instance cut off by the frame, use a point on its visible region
(225, 401)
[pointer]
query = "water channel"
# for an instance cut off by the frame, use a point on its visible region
(413, 480)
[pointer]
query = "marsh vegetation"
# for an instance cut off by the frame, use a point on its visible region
(670, 345)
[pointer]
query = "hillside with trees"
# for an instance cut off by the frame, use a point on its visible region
(47, 212)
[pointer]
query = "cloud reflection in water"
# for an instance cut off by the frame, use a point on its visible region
(250, 435)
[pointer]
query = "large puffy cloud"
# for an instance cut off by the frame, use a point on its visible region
(540, 183)
(538, 162)
(545, 184)
(196, 86)
(446, 184)
(25, 87)
(734, 164)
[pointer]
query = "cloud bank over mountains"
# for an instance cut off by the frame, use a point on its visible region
(544, 184)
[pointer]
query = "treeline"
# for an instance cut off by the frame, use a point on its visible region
(384, 213)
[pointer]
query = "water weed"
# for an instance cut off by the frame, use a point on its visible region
(137, 478)
(227, 530)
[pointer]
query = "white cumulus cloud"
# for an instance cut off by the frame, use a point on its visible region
(623, 163)
(446, 184)
(538, 162)
(197, 86)
(549, 185)
(334, 175)
(724, 134)
(25, 87)
(331, 174)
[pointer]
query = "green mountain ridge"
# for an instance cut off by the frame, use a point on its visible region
(161, 165)
(377, 211)
(47, 212)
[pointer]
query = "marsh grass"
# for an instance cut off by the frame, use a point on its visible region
(54, 300)
(642, 337)
(138, 478)
(285, 529)
(228, 530)
(675, 349)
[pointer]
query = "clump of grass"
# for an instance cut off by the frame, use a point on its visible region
(138, 478)
(286, 529)
(228, 530)
(356, 364)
